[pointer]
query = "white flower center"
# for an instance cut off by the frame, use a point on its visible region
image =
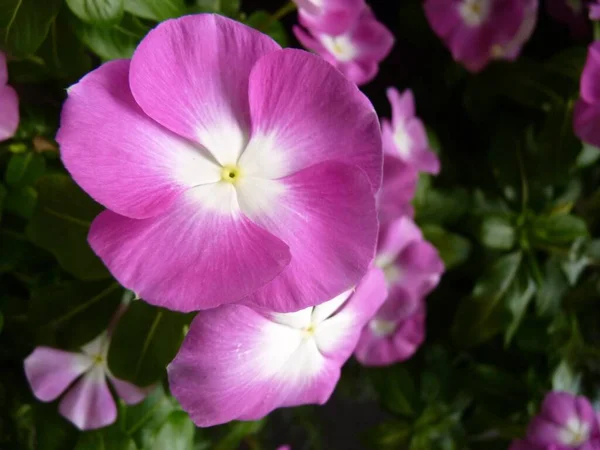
(403, 141)
(575, 433)
(341, 47)
(474, 12)
(381, 327)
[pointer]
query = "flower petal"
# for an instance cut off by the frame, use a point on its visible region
(397, 191)
(236, 363)
(199, 254)
(9, 112)
(89, 404)
(311, 114)
(398, 236)
(327, 216)
(119, 155)
(50, 371)
(403, 105)
(585, 121)
(130, 393)
(3, 70)
(590, 78)
(191, 75)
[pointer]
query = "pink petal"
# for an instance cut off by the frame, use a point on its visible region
(89, 404)
(359, 72)
(332, 17)
(130, 393)
(3, 70)
(50, 371)
(421, 267)
(590, 78)
(199, 254)
(120, 156)
(191, 75)
(403, 105)
(398, 236)
(372, 38)
(586, 118)
(339, 223)
(9, 112)
(313, 114)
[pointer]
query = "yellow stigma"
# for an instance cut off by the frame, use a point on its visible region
(309, 330)
(230, 174)
(98, 359)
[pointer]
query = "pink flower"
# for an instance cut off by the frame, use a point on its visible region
(405, 137)
(9, 104)
(329, 16)
(412, 269)
(572, 13)
(357, 52)
(238, 363)
(564, 421)
(594, 13)
(397, 191)
(88, 402)
(479, 30)
(232, 170)
(586, 116)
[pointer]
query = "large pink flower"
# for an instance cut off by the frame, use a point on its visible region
(88, 402)
(586, 117)
(232, 170)
(357, 52)
(9, 104)
(237, 363)
(479, 30)
(329, 16)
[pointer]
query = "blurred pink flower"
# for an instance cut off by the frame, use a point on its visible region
(9, 104)
(357, 52)
(586, 116)
(88, 403)
(397, 191)
(238, 363)
(594, 13)
(332, 17)
(477, 31)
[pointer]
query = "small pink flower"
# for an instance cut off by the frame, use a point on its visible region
(405, 137)
(572, 13)
(357, 52)
(594, 13)
(9, 104)
(412, 269)
(477, 31)
(88, 402)
(232, 170)
(586, 116)
(237, 363)
(329, 16)
(565, 421)
(397, 191)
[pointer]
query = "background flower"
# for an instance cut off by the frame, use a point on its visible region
(587, 108)
(9, 104)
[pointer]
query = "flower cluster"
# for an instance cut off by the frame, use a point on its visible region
(345, 33)
(9, 104)
(411, 265)
(565, 422)
(478, 31)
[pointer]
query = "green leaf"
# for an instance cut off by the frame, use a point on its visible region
(389, 436)
(264, 22)
(60, 225)
(53, 432)
(517, 300)
(3, 194)
(554, 285)
(237, 432)
(397, 390)
(116, 42)
(158, 10)
(24, 168)
(106, 439)
(24, 24)
(97, 12)
(439, 206)
(228, 8)
(21, 201)
(177, 433)
(565, 379)
(15, 251)
(78, 310)
(453, 248)
(557, 230)
(497, 233)
(145, 341)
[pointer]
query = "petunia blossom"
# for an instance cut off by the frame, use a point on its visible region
(9, 104)
(477, 31)
(238, 363)
(405, 136)
(329, 16)
(586, 115)
(565, 421)
(412, 269)
(357, 52)
(231, 170)
(511, 47)
(573, 14)
(88, 402)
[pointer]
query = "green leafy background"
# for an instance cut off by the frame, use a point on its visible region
(513, 214)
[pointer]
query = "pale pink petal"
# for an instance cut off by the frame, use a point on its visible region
(327, 217)
(397, 191)
(403, 105)
(50, 371)
(199, 254)
(331, 16)
(120, 156)
(305, 129)
(130, 393)
(9, 112)
(89, 404)
(398, 236)
(191, 75)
